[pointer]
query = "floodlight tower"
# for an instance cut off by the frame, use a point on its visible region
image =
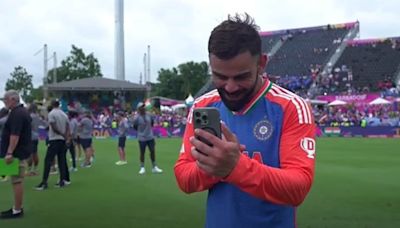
(119, 68)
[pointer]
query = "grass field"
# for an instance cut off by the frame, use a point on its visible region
(357, 184)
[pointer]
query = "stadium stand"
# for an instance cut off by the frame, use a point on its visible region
(306, 47)
(366, 65)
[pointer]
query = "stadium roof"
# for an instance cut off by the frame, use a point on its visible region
(96, 84)
(284, 31)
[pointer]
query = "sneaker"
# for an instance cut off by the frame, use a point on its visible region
(62, 184)
(86, 165)
(3, 178)
(9, 214)
(59, 184)
(72, 169)
(41, 187)
(121, 162)
(142, 171)
(156, 170)
(33, 173)
(53, 171)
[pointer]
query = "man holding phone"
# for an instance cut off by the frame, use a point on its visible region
(263, 166)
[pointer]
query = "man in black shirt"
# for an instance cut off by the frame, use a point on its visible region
(16, 144)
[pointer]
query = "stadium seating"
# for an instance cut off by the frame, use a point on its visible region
(305, 47)
(371, 63)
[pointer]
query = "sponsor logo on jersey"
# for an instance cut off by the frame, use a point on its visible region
(263, 130)
(308, 145)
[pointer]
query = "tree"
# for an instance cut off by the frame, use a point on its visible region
(194, 76)
(76, 66)
(21, 81)
(179, 82)
(37, 93)
(169, 84)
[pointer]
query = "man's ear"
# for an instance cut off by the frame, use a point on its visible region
(262, 62)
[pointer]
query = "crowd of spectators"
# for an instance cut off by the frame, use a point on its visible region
(351, 115)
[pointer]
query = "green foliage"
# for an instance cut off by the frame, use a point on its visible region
(76, 66)
(21, 81)
(37, 93)
(179, 82)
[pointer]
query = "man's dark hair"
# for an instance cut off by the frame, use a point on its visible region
(72, 113)
(32, 108)
(55, 103)
(235, 36)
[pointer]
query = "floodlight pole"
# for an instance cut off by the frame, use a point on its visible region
(44, 49)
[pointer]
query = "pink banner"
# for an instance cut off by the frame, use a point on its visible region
(357, 99)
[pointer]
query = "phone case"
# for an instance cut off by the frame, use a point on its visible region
(207, 119)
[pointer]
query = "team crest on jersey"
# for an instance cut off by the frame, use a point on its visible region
(308, 145)
(263, 130)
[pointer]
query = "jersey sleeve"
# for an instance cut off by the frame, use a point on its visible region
(189, 176)
(290, 183)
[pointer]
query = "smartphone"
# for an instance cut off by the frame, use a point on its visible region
(208, 119)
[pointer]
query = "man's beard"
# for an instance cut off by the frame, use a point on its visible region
(238, 105)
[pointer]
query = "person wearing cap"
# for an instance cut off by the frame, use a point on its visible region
(16, 144)
(143, 124)
(123, 127)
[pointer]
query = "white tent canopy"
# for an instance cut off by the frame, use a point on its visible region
(178, 106)
(189, 99)
(379, 101)
(317, 102)
(337, 102)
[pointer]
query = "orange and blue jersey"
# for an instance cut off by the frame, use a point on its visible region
(273, 175)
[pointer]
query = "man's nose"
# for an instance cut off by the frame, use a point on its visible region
(231, 86)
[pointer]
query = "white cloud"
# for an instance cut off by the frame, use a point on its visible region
(177, 30)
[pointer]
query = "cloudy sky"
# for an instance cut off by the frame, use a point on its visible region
(177, 30)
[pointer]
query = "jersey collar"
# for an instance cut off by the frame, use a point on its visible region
(263, 90)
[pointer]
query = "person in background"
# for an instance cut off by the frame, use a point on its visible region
(33, 161)
(16, 144)
(85, 138)
(59, 136)
(143, 124)
(3, 118)
(73, 125)
(122, 131)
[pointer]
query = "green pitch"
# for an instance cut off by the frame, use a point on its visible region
(356, 185)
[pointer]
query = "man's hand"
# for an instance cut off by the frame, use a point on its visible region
(219, 159)
(8, 159)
